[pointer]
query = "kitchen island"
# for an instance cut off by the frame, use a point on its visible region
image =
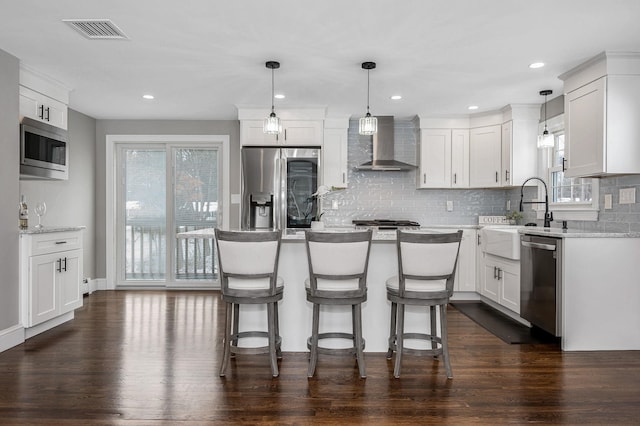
(296, 313)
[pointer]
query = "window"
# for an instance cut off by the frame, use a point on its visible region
(569, 198)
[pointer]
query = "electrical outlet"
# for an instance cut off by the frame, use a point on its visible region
(627, 195)
(608, 203)
(449, 206)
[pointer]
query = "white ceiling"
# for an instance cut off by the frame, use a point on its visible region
(204, 58)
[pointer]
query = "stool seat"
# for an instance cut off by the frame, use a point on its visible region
(338, 264)
(248, 267)
(426, 272)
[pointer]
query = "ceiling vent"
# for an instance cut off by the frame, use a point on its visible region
(97, 29)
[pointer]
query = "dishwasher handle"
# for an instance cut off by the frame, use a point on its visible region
(549, 247)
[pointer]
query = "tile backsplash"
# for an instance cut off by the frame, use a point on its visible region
(393, 195)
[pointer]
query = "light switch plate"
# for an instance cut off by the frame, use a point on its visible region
(608, 203)
(627, 195)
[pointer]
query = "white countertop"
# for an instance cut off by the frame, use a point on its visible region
(575, 233)
(48, 229)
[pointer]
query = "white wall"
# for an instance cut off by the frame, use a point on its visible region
(9, 172)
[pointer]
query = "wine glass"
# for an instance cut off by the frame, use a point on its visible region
(40, 210)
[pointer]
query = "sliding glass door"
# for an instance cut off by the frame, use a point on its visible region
(163, 190)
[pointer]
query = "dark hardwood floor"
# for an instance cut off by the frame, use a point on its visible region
(148, 357)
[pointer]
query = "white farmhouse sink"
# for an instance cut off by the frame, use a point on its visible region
(503, 242)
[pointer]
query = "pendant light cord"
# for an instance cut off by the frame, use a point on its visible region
(273, 93)
(368, 114)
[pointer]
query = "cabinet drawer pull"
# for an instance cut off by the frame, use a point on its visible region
(47, 117)
(455, 178)
(344, 177)
(65, 265)
(496, 176)
(495, 272)
(424, 178)
(506, 175)
(564, 161)
(41, 112)
(499, 273)
(61, 242)
(59, 262)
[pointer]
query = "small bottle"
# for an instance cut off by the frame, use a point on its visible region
(23, 213)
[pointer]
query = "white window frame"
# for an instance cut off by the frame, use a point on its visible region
(567, 210)
(112, 142)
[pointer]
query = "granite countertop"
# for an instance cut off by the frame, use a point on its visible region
(575, 233)
(48, 229)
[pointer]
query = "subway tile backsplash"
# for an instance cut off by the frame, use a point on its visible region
(393, 195)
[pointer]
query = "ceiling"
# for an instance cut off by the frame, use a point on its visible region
(202, 59)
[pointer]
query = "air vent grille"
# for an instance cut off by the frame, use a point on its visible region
(96, 29)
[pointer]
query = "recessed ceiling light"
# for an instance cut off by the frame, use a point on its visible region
(396, 97)
(536, 65)
(472, 107)
(148, 96)
(279, 96)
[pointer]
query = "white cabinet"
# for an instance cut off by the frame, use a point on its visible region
(485, 154)
(50, 275)
(334, 158)
(520, 145)
(602, 105)
(294, 133)
(42, 108)
(444, 158)
(500, 281)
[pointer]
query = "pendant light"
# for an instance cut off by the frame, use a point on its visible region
(368, 124)
(272, 124)
(545, 140)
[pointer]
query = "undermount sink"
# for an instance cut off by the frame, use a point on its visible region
(503, 242)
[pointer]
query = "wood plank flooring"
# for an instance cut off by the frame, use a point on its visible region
(150, 357)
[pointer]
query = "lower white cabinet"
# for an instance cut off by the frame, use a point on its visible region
(50, 275)
(500, 281)
(466, 268)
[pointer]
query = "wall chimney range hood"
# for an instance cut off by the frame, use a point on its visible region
(383, 146)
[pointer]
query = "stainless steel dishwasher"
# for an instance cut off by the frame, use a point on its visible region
(541, 282)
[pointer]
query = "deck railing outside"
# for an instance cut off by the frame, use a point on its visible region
(146, 251)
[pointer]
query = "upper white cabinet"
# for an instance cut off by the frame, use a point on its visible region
(485, 154)
(43, 99)
(434, 153)
(294, 132)
(42, 108)
(519, 144)
(443, 158)
(335, 173)
(602, 106)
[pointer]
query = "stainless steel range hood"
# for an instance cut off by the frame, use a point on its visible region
(383, 147)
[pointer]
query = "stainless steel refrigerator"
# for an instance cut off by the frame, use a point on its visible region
(277, 187)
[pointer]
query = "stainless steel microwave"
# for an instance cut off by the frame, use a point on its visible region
(44, 151)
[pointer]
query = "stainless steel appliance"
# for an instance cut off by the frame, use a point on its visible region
(541, 282)
(43, 151)
(385, 224)
(277, 187)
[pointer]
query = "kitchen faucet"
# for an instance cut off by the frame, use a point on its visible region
(548, 216)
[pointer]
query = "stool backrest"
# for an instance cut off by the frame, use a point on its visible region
(428, 257)
(248, 262)
(338, 262)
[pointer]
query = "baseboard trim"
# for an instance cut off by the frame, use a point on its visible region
(10, 337)
(48, 325)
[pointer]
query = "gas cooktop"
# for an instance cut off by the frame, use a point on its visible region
(386, 223)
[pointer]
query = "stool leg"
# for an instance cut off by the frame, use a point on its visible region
(226, 340)
(392, 329)
(313, 356)
(443, 337)
(278, 348)
(399, 340)
(236, 321)
(434, 330)
(357, 331)
(271, 331)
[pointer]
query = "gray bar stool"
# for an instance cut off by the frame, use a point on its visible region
(248, 266)
(426, 271)
(337, 276)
